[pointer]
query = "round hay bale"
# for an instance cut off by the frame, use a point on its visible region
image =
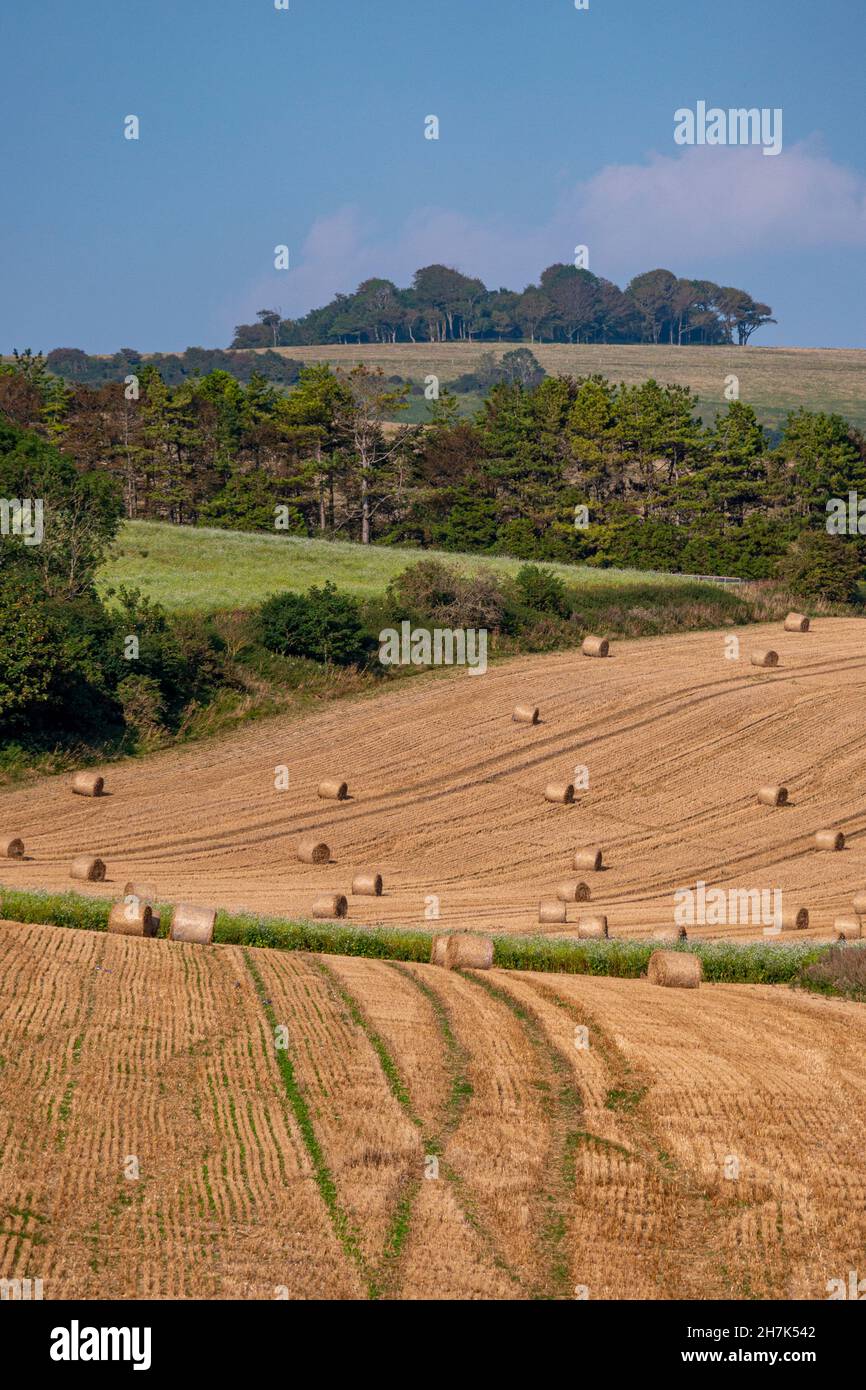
(848, 928)
(88, 867)
(795, 918)
(11, 848)
(146, 891)
(830, 839)
(859, 903)
(674, 969)
(670, 934)
(313, 851)
(525, 714)
(195, 924)
(595, 646)
(439, 950)
(764, 658)
(88, 784)
(330, 905)
(333, 790)
(468, 951)
(796, 622)
(592, 928)
(773, 796)
(552, 910)
(572, 890)
(588, 859)
(133, 918)
(560, 792)
(367, 885)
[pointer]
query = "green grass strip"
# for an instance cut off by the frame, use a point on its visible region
(398, 1230)
(393, 1076)
(757, 963)
(343, 1228)
(565, 1113)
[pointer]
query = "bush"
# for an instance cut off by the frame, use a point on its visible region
(322, 624)
(441, 594)
(841, 971)
(29, 656)
(823, 566)
(183, 656)
(542, 590)
(143, 708)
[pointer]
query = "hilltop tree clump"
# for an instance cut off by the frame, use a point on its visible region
(568, 305)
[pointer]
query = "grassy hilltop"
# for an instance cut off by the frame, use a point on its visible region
(200, 569)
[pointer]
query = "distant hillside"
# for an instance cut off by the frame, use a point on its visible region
(773, 380)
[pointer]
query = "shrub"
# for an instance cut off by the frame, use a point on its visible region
(841, 971)
(322, 624)
(820, 565)
(183, 656)
(29, 655)
(439, 593)
(143, 708)
(542, 590)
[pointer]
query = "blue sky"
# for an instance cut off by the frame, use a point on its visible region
(305, 127)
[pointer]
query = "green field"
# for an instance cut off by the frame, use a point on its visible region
(198, 569)
(773, 380)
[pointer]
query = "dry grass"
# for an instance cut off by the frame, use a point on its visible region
(774, 380)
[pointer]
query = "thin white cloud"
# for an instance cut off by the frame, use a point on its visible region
(682, 211)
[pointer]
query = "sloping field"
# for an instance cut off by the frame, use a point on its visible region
(197, 569)
(447, 794)
(208, 1122)
(774, 380)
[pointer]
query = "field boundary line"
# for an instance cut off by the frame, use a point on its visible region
(725, 962)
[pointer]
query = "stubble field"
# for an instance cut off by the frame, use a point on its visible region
(208, 1122)
(447, 794)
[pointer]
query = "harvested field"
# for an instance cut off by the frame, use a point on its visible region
(115, 1048)
(449, 792)
(772, 379)
(325, 1127)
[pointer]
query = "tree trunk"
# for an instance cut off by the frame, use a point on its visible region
(321, 487)
(365, 509)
